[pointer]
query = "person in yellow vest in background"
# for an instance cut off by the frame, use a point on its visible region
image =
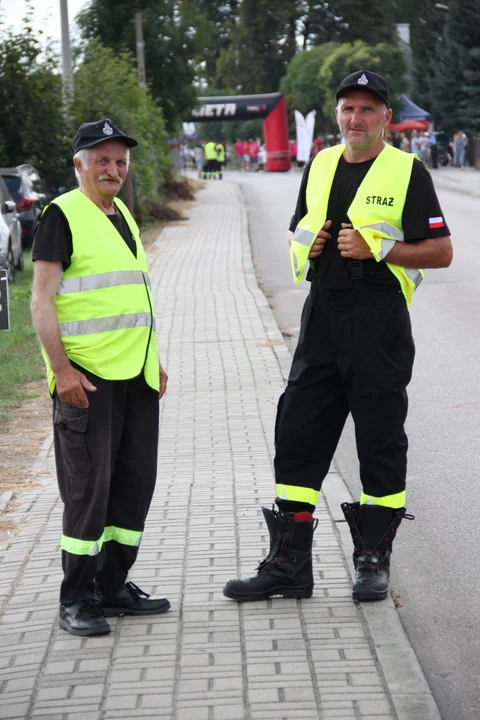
(94, 314)
(211, 166)
(367, 219)
(220, 158)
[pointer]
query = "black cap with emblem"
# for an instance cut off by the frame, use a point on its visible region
(365, 80)
(98, 131)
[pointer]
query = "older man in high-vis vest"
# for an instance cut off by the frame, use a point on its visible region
(367, 220)
(94, 314)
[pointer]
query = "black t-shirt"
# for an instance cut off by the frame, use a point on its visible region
(53, 237)
(421, 204)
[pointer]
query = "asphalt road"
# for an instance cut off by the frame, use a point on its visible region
(436, 562)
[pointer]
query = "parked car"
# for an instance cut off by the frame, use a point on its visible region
(11, 250)
(30, 193)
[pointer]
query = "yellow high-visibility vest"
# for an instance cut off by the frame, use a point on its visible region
(376, 212)
(104, 303)
(210, 151)
(220, 153)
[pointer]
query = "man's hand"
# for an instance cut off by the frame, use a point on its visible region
(71, 385)
(352, 245)
(163, 380)
(322, 237)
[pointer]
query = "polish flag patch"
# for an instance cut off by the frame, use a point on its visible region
(435, 222)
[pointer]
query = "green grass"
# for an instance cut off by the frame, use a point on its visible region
(20, 358)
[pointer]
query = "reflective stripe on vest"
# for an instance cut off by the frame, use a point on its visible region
(104, 304)
(106, 324)
(380, 224)
(103, 280)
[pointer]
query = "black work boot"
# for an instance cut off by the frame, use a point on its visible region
(83, 618)
(287, 569)
(130, 600)
(373, 529)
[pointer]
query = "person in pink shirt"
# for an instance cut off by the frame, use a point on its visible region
(239, 149)
(253, 151)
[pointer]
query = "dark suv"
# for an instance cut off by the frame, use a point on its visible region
(30, 193)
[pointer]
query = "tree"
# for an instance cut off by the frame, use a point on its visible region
(29, 80)
(365, 20)
(427, 23)
(168, 47)
(210, 24)
(116, 93)
(313, 75)
(317, 23)
(301, 84)
(456, 80)
(263, 44)
(385, 59)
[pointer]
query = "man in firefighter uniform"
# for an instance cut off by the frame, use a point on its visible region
(211, 164)
(367, 219)
(93, 311)
(219, 147)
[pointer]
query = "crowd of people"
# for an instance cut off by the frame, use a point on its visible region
(249, 154)
(427, 147)
(209, 156)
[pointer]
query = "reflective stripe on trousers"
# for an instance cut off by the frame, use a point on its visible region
(398, 500)
(75, 546)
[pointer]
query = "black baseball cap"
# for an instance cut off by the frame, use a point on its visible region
(365, 80)
(92, 133)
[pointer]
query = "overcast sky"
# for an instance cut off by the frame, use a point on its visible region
(47, 14)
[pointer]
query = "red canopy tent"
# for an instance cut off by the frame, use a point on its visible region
(405, 125)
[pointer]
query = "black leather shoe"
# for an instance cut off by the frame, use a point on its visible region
(130, 600)
(83, 618)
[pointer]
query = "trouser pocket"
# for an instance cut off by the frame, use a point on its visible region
(71, 450)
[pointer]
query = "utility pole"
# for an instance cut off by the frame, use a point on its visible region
(143, 82)
(140, 48)
(66, 57)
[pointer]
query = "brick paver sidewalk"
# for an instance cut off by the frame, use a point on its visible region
(208, 658)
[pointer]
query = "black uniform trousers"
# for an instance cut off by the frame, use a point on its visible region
(106, 460)
(355, 354)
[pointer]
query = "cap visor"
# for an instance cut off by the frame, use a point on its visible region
(129, 141)
(356, 86)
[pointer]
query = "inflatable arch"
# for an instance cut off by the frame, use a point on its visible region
(271, 107)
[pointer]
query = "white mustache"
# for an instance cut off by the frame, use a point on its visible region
(106, 176)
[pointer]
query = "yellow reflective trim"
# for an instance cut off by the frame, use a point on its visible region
(81, 547)
(297, 494)
(122, 536)
(396, 501)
